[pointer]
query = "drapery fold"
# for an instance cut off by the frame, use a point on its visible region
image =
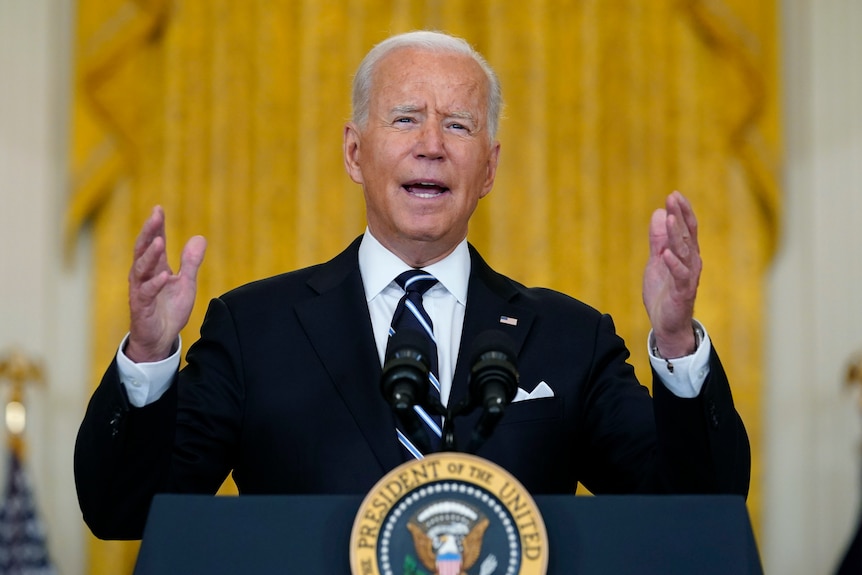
(230, 115)
(109, 39)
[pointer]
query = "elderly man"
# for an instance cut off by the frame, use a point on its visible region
(283, 387)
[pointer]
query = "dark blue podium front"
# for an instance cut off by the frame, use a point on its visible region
(607, 535)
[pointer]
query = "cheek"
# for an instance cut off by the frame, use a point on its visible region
(481, 175)
(380, 168)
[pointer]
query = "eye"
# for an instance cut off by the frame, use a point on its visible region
(460, 127)
(404, 120)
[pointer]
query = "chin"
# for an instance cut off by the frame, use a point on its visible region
(425, 236)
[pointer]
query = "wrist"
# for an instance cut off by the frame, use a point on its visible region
(145, 354)
(676, 347)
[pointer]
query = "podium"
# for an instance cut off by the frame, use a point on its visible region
(619, 535)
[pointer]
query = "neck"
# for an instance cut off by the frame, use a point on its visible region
(418, 254)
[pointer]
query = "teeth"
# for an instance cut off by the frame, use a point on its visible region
(425, 189)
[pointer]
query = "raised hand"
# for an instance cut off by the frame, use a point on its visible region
(160, 302)
(672, 275)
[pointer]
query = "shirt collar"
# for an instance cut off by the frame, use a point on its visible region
(379, 267)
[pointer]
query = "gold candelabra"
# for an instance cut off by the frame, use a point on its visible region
(19, 370)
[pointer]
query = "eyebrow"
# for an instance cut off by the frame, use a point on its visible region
(411, 109)
(405, 109)
(461, 116)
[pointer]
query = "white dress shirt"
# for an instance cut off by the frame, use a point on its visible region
(445, 302)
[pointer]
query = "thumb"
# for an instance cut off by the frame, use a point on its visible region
(658, 232)
(192, 257)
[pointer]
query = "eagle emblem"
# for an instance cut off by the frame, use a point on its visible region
(448, 536)
(448, 514)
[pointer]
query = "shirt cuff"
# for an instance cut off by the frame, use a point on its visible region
(683, 376)
(147, 382)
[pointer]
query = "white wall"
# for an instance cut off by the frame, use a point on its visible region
(813, 431)
(43, 303)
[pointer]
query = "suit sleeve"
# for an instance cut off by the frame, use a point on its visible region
(634, 443)
(702, 443)
(182, 443)
(122, 458)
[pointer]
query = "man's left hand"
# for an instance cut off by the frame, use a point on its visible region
(672, 275)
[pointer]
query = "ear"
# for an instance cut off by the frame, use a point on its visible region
(491, 172)
(351, 152)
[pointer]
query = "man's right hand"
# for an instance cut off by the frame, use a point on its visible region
(160, 301)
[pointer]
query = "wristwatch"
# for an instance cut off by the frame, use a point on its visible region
(698, 339)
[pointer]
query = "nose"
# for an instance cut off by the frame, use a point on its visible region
(430, 141)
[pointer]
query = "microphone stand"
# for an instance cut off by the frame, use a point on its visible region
(493, 380)
(447, 440)
(491, 415)
(449, 413)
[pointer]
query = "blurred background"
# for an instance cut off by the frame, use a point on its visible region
(230, 114)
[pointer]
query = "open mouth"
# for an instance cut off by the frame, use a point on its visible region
(425, 189)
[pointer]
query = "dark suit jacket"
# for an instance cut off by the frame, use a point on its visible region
(283, 389)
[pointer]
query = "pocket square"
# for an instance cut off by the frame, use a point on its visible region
(540, 391)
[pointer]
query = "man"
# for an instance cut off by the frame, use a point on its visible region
(282, 388)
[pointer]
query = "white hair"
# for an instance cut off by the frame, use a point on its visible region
(425, 40)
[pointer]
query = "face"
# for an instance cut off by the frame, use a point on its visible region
(424, 157)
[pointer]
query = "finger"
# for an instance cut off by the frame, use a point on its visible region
(192, 257)
(150, 263)
(682, 228)
(684, 271)
(153, 228)
(678, 268)
(686, 213)
(658, 232)
(147, 291)
(678, 236)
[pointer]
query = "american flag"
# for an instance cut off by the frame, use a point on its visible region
(23, 550)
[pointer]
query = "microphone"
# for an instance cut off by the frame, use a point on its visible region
(493, 381)
(405, 371)
(404, 382)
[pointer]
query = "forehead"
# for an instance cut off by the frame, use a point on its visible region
(411, 75)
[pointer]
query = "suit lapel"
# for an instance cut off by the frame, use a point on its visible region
(490, 299)
(339, 327)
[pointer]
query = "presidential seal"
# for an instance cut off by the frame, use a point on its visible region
(448, 514)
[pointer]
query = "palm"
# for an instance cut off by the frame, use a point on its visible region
(160, 302)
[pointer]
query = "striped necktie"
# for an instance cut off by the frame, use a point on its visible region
(410, 314)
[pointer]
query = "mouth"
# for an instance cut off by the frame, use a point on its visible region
(425, 189)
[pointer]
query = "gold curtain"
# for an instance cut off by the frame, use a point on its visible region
(230, 114)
